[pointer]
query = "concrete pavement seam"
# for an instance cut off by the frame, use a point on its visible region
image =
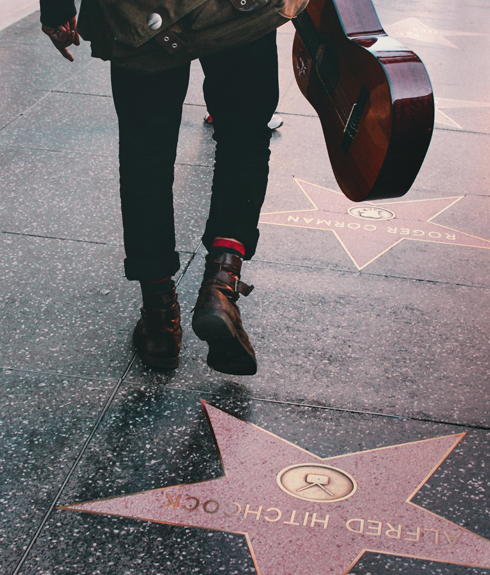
(340, 409)
(70, 473)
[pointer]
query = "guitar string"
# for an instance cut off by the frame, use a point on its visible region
(307, 28)
(325, 67)
(308, 41)
(311, 33)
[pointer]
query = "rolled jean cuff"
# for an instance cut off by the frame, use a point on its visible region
(151, 270)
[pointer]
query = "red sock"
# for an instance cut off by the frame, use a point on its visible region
(157, 285)
(221, 245)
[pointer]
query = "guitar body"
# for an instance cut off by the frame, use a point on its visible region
(373, 97)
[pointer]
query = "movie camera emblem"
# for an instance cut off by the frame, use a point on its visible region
(371, 213)
(316, 482)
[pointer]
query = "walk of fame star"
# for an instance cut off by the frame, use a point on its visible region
(299, 512)
(416, 30)
(365, 230)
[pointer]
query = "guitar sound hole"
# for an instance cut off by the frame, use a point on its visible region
(327, 65)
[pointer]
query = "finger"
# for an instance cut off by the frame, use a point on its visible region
(66, 53)
(73, 29)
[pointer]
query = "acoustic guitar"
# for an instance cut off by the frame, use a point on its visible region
(373, 96)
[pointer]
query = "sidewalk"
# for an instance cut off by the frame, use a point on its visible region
(361, 345)
(11, 11)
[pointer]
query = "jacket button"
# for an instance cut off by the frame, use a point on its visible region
(154, 21)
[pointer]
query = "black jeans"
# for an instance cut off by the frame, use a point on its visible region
(241, 93)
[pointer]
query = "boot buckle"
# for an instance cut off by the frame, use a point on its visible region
(242, 289)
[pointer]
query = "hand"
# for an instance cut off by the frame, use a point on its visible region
(63, 36)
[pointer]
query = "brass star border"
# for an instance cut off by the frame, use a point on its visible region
(355, 503)
(366, 238)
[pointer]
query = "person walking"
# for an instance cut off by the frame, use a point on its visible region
(149, 111)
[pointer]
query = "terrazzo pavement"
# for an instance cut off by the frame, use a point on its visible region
(349, 359)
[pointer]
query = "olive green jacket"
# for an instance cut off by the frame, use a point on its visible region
(152, 35)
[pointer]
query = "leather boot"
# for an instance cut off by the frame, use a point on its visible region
(217, 318)
(158, 335)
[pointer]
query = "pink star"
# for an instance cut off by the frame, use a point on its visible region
(368, 230)
(300, 513)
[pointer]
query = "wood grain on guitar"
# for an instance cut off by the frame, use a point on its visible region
(373, 96)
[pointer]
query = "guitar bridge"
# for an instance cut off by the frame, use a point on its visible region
(354, 119)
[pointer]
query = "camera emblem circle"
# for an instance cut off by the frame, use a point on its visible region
(316, 482)
(371, 213)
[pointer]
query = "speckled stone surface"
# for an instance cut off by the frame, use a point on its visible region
(46, 69)
(75, 196)
(10, 104)
(66, 307)
(352, 357)
(45, 420)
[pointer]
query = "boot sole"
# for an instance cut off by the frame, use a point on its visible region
(226, 352)
(155, 362)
